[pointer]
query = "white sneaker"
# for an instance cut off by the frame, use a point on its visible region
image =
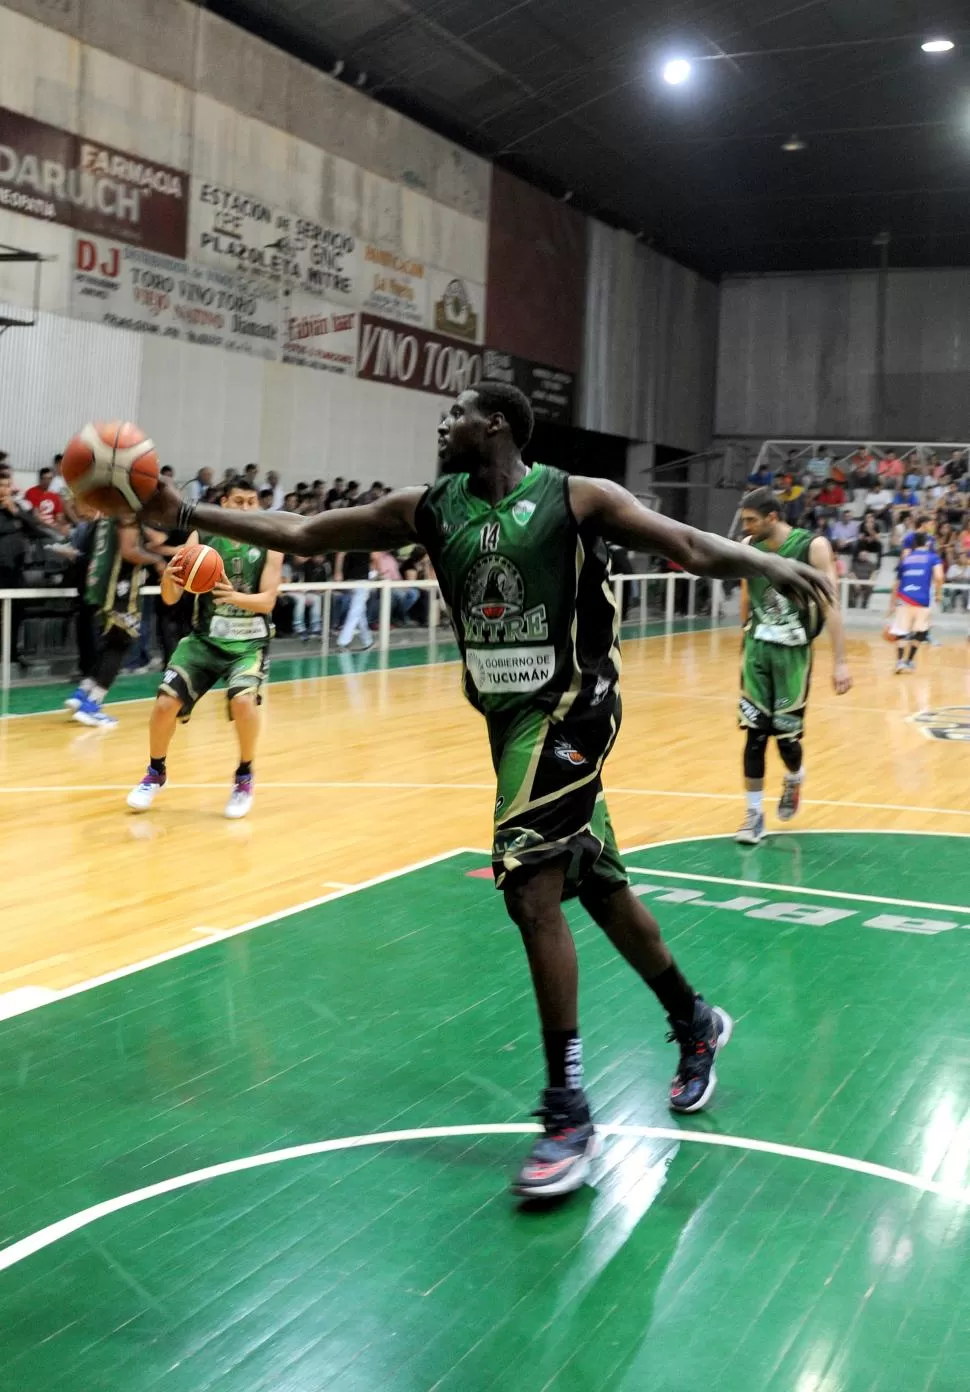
(752, 829)
(93, 714)
(241, 797)
(140, 799)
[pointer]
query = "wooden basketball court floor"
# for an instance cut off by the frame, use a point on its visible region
(276, 1158)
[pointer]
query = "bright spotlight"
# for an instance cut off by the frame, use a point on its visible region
(676, 71)
(937, 46)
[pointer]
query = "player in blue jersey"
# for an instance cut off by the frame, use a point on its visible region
(920, 573)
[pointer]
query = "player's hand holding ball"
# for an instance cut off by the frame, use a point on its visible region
(198, 569)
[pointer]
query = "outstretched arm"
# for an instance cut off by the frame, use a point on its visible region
(622, 519)
(821, 556)
(379, 526)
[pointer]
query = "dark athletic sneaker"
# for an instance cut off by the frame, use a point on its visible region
(560, 1160)
(791, 796)
(700, 1042)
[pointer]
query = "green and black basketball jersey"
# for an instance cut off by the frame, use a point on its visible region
(224, 624)
(111, 583)
(773, 618)
(529, 594)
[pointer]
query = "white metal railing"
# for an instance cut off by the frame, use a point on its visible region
(666, 583)
(773, 450)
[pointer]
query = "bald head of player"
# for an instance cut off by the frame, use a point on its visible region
(485, 431)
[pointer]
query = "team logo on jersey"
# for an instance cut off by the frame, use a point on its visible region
(947, 723)
(254, 553)
(493, 604)
(568, 754)
(522, 511)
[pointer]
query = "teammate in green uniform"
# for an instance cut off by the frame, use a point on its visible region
(231, 631)
(520, 555)
(776, 659)
(116, 571)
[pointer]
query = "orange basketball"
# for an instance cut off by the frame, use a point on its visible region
(113, 467)
(198, 568)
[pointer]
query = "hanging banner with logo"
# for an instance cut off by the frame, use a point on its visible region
(319, 334)
(51, 174)
(129, 288)
(393, 286)
(412, 358)
(231, 230)
(550, 391)
(457, 307)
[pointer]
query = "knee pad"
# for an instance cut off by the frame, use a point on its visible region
(754, 754)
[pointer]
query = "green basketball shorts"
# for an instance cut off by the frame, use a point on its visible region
(550, 803)
(197, 664)
(774, 688)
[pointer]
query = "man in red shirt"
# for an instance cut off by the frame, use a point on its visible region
(48, 505)
(832, 495)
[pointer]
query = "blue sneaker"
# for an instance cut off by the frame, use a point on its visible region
(752, 829)
(700, 1040)
(76, 700)
(560, 1160)
(93, 713)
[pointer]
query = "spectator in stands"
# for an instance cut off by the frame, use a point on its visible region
(958, 571)
(19, 527)
(792, 499)
(335, 494)
(865, 560)
(167, 472)
(350, 498)
(891, 468)
(291, 502)
(905, 497)
(956, 466)
(761, 477)
(307, 606)
(844, 532)
(879, 501)
(952, 504)
(48, 505)
(375, 491)
(273, 483)
(195, 491)
(832, 495)
(251, 475)
(266, 499)
(385, 567)
(819, 464)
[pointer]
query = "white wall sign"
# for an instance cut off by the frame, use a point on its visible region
(319, 334)
(393, 286)
(129, 288)
(231, 229)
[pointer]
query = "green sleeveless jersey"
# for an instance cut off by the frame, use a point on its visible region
(109, 578)
(224, 624)
(529, 594)
(773, 618)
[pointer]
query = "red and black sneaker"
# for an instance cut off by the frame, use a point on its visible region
(791, 796)
(700, 1040)
(560, 1160)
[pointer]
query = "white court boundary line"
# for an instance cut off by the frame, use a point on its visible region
(801, 889)
(223, 934)
(55, 1232)
(370, 671)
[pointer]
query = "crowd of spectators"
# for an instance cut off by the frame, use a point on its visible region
(45, 543)
(867, 503)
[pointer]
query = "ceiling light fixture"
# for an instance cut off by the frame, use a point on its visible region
(937, 46)
(794, 143)
(676, 71)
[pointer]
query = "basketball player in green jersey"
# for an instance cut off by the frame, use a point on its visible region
(776, 658)
(117, 568)
(520, 555)
(231, 631)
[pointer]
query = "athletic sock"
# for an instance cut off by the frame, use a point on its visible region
(754, 801)
(674, 993)
(245, 768)
(911, 657)
(157, 766)
(564, 1058)
(86, 686)
(97, 693)
(798, 777)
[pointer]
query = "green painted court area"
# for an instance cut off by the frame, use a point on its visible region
(405, 1264)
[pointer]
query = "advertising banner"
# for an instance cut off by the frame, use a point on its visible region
(393, 286)
(550, 390)
(233, 230)
(457, 307)
(50, 174)
(413, 358)
(129, 288)
(319, 334)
